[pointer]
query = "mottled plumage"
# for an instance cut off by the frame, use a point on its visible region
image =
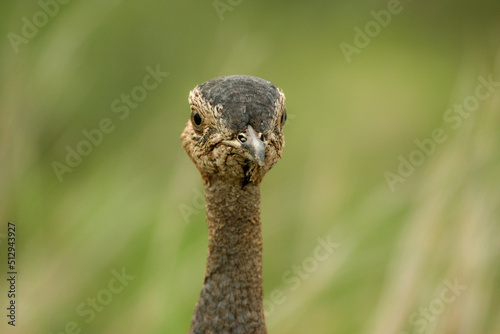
(234, 137)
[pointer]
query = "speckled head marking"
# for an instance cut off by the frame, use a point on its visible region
(234, 136)
(236, 127)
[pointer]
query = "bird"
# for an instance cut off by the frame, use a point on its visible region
(234, 137)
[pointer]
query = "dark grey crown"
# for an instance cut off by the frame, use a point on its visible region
(244, 99)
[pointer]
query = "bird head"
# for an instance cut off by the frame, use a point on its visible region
(236, 128)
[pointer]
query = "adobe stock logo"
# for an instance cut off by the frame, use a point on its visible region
(122, 107)
(453, 118)
(372, 29)
(197, 207)
(422, 319)
(89, 309)
(225, 6)
(297, 274)
(30, 28)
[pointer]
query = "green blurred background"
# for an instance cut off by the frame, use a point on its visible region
(134, 202)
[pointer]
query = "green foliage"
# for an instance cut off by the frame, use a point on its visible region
(131, 200)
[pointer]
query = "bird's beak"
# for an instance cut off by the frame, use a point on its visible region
(254, 148)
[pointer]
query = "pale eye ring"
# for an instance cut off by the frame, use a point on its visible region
(196, 120)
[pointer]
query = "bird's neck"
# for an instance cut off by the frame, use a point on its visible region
(231, 299)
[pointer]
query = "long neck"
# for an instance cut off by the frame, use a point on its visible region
(231, 297)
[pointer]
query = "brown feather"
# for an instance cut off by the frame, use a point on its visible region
(231, 299)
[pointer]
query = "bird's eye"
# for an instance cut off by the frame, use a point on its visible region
(196, 120)
(242, 138)
(283, 118)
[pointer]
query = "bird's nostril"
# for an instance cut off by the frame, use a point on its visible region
(242, 138)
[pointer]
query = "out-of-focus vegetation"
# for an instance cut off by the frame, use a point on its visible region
(133, 202)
